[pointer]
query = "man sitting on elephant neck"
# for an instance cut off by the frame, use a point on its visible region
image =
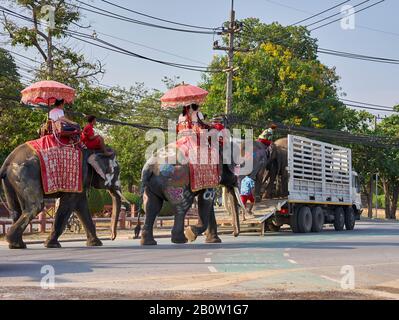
(91, 140)
(266, 136)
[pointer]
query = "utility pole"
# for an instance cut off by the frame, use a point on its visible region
(233, 28)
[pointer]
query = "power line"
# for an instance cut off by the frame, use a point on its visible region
(119, 17)
(156, 18)
(357, 56)
(367, 104)
(109, 46)
(360, 10)
(335, 14)
(322, 12)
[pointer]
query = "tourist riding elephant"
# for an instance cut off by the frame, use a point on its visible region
(273, 181)
(171, 182)
(23, 188)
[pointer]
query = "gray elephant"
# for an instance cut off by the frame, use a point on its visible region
(273, 180)
(170, 182)
(23, 188)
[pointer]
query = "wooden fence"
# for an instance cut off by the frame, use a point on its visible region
(44, 224)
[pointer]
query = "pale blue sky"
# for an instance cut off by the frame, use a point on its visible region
(360, 80)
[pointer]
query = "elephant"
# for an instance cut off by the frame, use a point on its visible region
(273, 181)
(171, 182)
(22, 184)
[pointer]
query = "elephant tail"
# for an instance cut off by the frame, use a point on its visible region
(145, 178)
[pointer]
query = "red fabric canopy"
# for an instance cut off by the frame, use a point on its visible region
(182, 95)
(47, 92)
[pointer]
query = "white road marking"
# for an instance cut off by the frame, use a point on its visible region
(292, 261)
(212, 269)
(287, 249)
(286, 255)
(208, 260)
(331, 279)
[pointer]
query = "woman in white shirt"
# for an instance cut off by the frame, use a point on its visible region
(57, 114)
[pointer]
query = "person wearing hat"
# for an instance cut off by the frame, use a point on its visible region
(266, 137)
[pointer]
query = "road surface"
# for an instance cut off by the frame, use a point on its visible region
(359, 264)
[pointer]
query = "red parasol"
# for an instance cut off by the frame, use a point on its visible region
(182, 95)
(47, 92)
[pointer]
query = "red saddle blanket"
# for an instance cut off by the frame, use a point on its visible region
(204, 168)
(61, 166)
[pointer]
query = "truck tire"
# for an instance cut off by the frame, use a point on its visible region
(294, 221)
(339, 219)
(350, 218)
(304, 220)
(317, 219)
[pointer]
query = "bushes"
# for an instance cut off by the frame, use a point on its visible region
(97, 200)
(381, 201)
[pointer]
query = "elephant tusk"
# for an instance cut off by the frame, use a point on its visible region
(237, 193)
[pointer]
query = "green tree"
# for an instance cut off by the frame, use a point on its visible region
(17, 124)
(278, 81)
(59, 62)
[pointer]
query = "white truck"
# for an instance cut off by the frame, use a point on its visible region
(323, 189)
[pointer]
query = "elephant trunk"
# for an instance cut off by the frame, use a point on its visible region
(116, 209)
(233, 201)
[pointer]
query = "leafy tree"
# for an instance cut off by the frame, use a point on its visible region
(279, 81)
(60, 62)
(17, 124)
(388, 166)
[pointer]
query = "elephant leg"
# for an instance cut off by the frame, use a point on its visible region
(212, 231)
(30, 209)
(205, 205)
(12, 201)
(82, 210)
(178, 235)
(62, 215)
(152, 207)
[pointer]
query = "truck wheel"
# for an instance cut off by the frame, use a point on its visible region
(304, 220)
(294, 221)
(339, 219)
(350, 219)
(317, 219)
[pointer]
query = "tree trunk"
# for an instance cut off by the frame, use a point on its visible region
(369, 196)
(385, 185)
(130, 186)
(394, 205)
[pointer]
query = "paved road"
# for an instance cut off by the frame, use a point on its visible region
(279, 265)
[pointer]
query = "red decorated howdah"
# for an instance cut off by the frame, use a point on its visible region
(202, 175)
(61, 166)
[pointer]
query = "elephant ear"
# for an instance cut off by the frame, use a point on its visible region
(98, 164)
(105, 167)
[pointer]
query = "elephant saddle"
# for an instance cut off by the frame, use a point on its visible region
(203, 163)
(61, 165)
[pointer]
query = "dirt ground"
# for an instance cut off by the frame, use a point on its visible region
(29, 293)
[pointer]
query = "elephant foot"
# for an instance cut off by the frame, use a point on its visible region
(148, 242)
(190, 235)
(17, 245)
(94, 242)
(53, 244)
(213, 239)
(179, 240)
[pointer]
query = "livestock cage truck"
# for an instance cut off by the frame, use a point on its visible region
(323, 189)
